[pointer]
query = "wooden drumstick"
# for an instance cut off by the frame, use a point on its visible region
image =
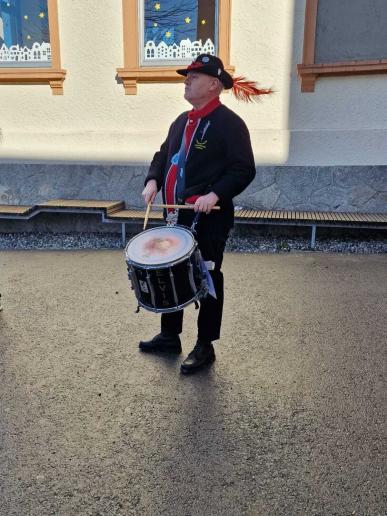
(181, 206)
(148, 208)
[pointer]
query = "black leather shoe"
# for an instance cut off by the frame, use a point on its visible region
(202, 354)
(166, 343)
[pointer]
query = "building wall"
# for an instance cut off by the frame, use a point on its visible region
(344, 122)
(294, 135)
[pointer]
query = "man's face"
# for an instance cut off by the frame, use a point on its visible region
(199, 88)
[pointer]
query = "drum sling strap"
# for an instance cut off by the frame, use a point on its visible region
(203, 264)
(180, 189)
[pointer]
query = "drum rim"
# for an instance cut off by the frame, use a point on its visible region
(202, 293)
(165, 265)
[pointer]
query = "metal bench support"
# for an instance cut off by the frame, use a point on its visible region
(123, 234)
(313, 238)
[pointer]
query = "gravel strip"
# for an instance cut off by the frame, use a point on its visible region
(284, 244)
(239, 244)
(59, 241)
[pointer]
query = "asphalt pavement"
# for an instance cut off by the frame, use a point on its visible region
(290, 420)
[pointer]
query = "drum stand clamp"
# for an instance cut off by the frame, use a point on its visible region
(194, 222)
(172, 217)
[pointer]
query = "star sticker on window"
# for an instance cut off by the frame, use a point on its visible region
(28, 37)
(157, 6)
(25, 17)
(42, 15)
(168, 34)
(155, 24)
(203, 22)
(188, 20)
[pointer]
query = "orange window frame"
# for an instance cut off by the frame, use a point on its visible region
(54, 75)
(133, 73)
(309, 71)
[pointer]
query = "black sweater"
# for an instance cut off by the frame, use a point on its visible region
(220, 161)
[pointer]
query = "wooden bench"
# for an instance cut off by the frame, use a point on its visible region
(9, 211)
(114, 212)
(106, 208)
(313, 219)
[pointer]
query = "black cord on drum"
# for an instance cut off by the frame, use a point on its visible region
(195, 221)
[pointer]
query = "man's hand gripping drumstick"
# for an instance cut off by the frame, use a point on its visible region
(150, 191)
(203, 204)
(206, 203)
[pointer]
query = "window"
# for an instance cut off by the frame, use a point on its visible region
(333, 46)
(162, 35)
(29, 43)
(24, 34)
(176, 31)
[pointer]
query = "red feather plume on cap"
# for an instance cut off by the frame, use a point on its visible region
(248, 91)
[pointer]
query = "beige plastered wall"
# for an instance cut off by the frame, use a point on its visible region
(343, 123)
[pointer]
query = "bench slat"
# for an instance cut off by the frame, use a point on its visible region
(84, 204)
(380, 217)
(367, 218)
(338, 217)
(135, 214)
(355, 217)
(10, 209)
(321, 215)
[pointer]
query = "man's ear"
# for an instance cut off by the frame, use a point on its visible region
(214, 84)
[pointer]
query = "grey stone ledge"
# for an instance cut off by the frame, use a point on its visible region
(358, 188)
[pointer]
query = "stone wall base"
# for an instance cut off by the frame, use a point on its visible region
(341, 188)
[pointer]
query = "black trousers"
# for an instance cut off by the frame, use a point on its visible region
(209, 322)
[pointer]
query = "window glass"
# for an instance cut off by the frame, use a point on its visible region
(178, 31)
(24, 33)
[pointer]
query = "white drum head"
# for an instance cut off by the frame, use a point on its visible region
(158, 246)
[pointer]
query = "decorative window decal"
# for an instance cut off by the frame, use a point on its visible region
(24, 34)
(177, 31)
(161, 36)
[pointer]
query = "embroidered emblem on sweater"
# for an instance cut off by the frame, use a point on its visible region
(202, 144)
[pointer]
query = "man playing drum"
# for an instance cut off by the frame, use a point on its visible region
(206, 160)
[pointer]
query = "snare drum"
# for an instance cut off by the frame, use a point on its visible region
(164, 266)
